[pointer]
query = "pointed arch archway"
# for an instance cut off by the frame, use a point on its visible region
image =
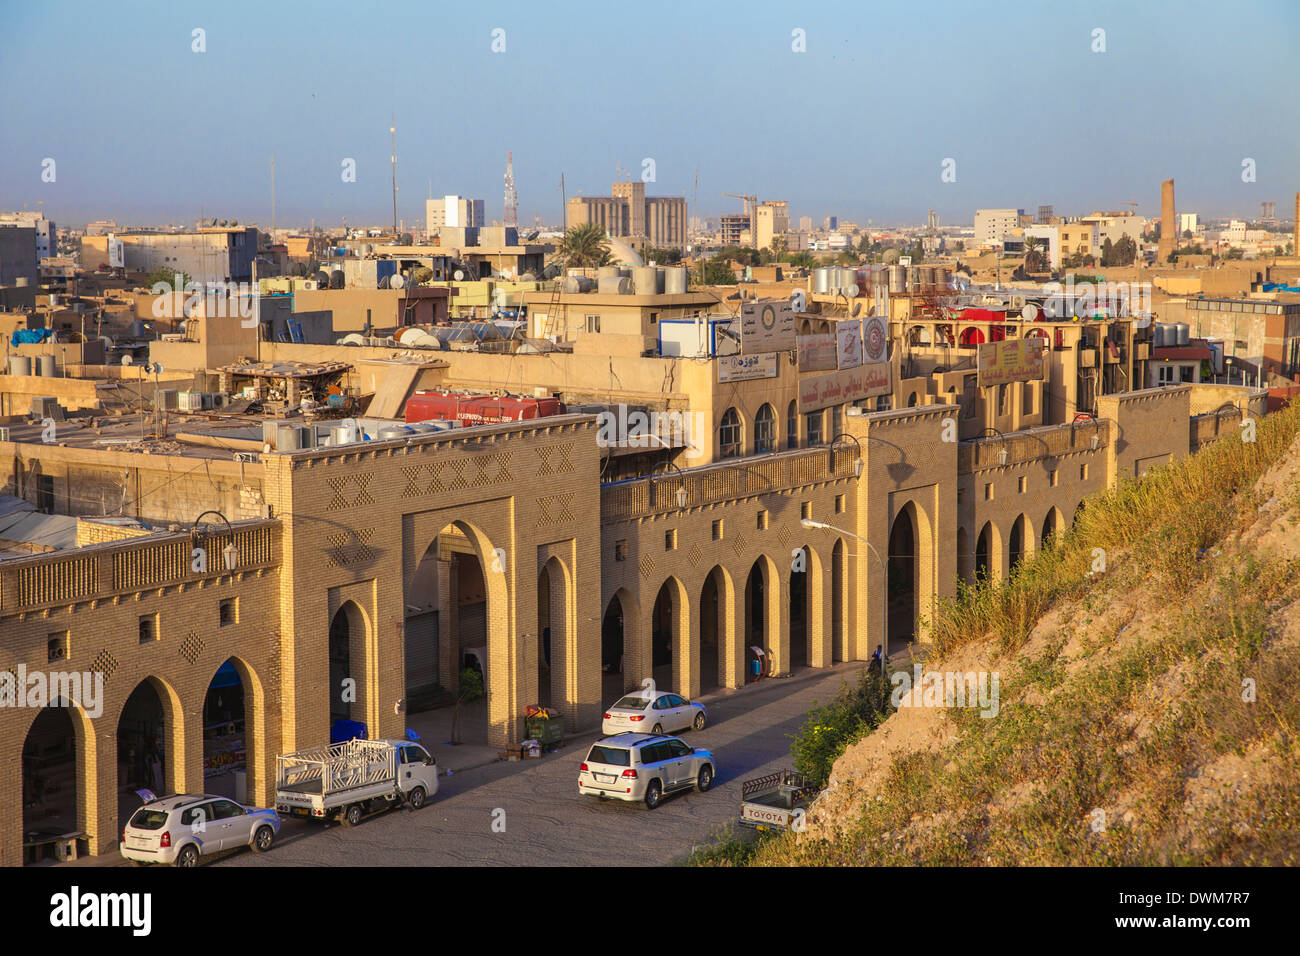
(58, 765)
(151, 745)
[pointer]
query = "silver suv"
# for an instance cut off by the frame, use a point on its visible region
(182, 828)
(644, 767)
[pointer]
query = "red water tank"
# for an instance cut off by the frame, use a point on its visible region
(472, 410)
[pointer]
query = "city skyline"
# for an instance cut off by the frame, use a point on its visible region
(858, 126)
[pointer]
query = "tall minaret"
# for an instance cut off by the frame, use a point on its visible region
(511, 217)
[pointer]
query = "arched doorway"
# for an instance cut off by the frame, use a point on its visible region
(225, 732)
(839, 591)
(612, 646)
(902, 579)
(801, 569)
(1016, 544)
(144, 748)
(421, 633)
(544, 634)
(1051, 527)
(347, 647)
(50, 775)
(963, 555)
(755, 617)
(983, 553)
(713, 628)
(668, 636)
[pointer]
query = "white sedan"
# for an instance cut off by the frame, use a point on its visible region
(654, 714)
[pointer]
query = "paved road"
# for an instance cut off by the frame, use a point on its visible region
(547, 822)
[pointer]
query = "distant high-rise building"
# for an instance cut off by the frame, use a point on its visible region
(46, 233)
(1045, 214)
(805, 223)
(656, 221)
(454, 212)
(511, 217)
(730, 229)
(993, 225)
(771, 219)
(932, 221)
(1267, 211)
(831, 223)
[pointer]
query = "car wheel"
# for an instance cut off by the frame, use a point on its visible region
(657, 729)
(705, 778)
(416, 798)
(263, 839)
(352, 815)
(188, 857)
(653, 794)
(700, 721)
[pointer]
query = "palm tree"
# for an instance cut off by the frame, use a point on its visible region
(584, 246)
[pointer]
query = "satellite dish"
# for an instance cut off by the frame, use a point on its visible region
(396, 282)
(126, 359)
(156, 368)
(850, 290)
(857, 309)
(1030, 312)
(458, 275)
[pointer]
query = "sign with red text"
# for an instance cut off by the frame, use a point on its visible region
(845, 385)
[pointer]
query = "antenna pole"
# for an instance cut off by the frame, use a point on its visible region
(273, 199)
(392, 129)
(564, 206)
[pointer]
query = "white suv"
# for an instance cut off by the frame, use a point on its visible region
(181, 829)
(644, 767)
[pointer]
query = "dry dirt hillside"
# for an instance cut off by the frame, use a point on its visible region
(1148, 713)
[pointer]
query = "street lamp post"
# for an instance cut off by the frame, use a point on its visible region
(857, 462)
(681, 489)
(884, 583)
(230, 553)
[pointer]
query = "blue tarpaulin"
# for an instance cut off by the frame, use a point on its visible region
(347, 730)
(30, 336)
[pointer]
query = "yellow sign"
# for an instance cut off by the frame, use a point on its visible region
(1012, 360)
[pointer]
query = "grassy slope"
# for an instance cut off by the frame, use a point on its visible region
(1121, 692)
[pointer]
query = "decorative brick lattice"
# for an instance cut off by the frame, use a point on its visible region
(104, 663)
(784, 537)
(555, 509)
(555, 460)
(738, 545)
(349, 491)
(412, 489)
(493, 468)
(349, 548)
(694, 555)
(363, 494)
(192, 647)
(647, 566)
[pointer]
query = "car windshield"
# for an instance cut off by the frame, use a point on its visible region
(146, 819)
(610, 755)
(631, 703)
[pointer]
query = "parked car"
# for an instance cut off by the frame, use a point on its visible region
(350, 779)
(183, 828)
(644, 767)
(657, 714)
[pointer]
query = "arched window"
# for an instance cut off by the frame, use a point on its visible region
(765, 430)
(1002, 400)
(729, 434)
(792, 425)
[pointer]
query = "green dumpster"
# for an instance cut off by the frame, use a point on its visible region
(548, 731)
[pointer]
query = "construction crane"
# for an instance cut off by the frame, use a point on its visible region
(750, 202)
(1133, 203)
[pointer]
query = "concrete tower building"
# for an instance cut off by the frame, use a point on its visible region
(1168, 227)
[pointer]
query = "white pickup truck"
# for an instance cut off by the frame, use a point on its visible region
(350, 779)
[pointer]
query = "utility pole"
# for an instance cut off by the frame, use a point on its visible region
(273, 199)
(392, 129)
(564, 206)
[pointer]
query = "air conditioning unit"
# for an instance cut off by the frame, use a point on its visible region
(308, 285)
(246, 456)
(4, 434)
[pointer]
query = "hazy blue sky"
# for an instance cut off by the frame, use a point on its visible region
(143, 129)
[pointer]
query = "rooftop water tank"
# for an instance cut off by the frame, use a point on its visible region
(675, 280)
